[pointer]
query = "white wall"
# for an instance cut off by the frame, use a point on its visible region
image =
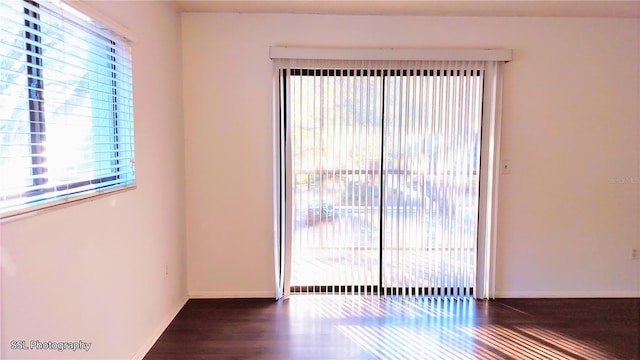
(571, 123)
(96, 271)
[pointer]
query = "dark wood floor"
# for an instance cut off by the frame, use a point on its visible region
(347, 327)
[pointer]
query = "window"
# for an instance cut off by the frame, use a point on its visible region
(66, 121)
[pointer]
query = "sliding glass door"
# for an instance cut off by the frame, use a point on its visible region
(383, 164)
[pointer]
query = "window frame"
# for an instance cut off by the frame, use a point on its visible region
(33, 61)
(379, 288)
(495, 59)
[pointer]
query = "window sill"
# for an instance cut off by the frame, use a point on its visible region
(76, 200)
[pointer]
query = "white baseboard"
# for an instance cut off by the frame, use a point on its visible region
(499, 294)
(232, 294)
(162, 326)
(567, 294)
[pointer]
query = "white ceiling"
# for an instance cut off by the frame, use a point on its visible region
(532, 8)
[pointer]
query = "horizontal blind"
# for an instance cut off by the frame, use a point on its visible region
(66, 123)
(384, 170)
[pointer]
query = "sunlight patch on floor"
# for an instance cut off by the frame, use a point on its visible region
(396, 327)
(485, 342)
(407, 343)
(354, 306)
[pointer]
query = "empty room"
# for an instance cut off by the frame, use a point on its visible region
(203, 179)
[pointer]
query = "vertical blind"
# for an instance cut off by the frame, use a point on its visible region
(381, 175)
(66, 121)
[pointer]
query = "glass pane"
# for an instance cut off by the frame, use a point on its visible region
(431, 181)
(335, 145)
(64, 113)
(385, 180)
(78, 88)
(15, 160)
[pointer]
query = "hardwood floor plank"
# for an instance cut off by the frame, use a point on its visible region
(349, 327)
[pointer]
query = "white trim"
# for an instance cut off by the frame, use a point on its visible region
(62, 203)
(232, 294)
(567, 294)
(288, 190)
(277, 52)
(84, 7)
(162, 326)
(498, 68)
(277, 167)
(489, 182)
(2, 275)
